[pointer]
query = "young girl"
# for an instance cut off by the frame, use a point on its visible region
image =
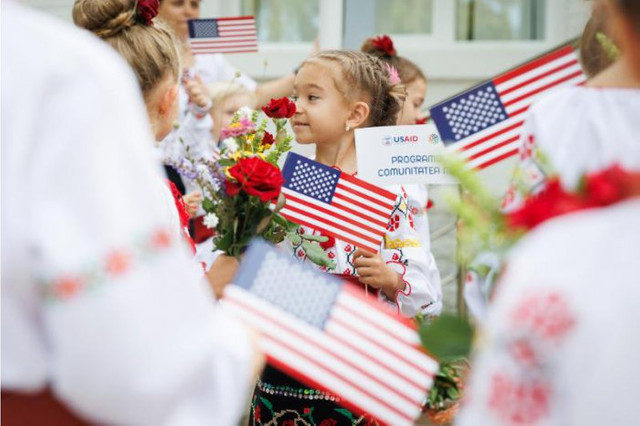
(337, 92)
(417, 196)
(227, 98)
(150, 49)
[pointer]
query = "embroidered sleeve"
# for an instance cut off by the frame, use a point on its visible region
(532, 170)
(514, 381)
(403, 252)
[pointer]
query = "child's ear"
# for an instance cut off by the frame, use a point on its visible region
(359, 114)
(168, 100)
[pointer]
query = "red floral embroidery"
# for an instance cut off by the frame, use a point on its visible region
(67, 287)
(306, 410)
(161, 239)
(430, 204)
(547, 315)
(331, 255)
(394, 223)
(524, 353)
(348, 248)
(289, 422)
(114, 264)
(395, 257)
(328, 422)
(519, 403)
(331, 242)
(526, 150)
(347, 271)
(257, 413)
(300, 253)
(509, 197)
(118, 263)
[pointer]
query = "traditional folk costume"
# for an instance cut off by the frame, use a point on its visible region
(553, 352)
(575, 131)
(279, 398)
(105, 317)
(568, 133)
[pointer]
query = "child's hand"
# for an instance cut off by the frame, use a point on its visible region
(193, 201)
(197, 92)
(373, 271)
(221, 273)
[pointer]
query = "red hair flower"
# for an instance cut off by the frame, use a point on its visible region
(280, 108)
(385, 44)
(146, 10)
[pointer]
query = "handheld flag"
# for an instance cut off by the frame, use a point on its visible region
(223, 35)
(335, 203)
(328, 334)
(483, 123)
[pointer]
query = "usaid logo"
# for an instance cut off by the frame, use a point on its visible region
(433, 139)
(399, 140)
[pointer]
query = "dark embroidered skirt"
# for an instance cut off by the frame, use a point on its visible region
(280, 400)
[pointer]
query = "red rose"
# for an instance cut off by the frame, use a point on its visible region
(267, 140)
(385, 44)
(280, 108)
(256, 177)
(146, 10)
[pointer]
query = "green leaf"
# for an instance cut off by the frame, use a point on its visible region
(223, 243)
(447, 337)
(347, 414)
(225, 162)
(207, 204)
(267, 404)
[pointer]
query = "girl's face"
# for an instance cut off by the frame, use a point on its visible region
(222, 112)
(416, 91)
(321, 110)
(176, 13)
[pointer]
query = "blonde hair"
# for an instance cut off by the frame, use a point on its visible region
(151, 50)
(408, 70)
(365, 76)
(221, 91)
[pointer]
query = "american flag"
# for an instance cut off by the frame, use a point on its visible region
(223, 35)
(483, 123)
(335, 203)
(329, 335)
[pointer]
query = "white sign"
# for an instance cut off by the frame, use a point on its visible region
(400, 155)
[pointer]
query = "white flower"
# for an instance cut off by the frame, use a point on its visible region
(210, 220)
(245, 111)
(230, 145)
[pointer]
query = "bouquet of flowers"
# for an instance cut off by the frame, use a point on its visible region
(242, 188)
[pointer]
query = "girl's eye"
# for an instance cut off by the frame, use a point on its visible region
(313, 97)
(294, 98)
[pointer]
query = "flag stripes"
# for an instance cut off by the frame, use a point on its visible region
(335, 203)
(515, 91)
(223, 35)
(388, 386)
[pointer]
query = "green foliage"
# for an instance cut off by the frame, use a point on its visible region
(448, 337)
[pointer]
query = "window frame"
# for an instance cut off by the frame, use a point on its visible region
(474, 59)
